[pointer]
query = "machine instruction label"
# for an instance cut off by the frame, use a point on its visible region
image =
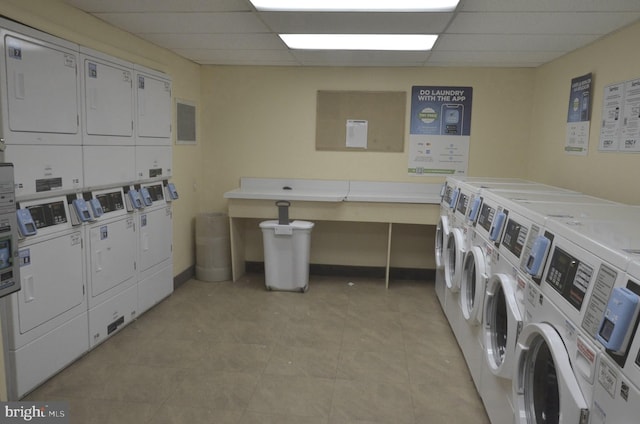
(608, 378)
(25, 257)
(605, 280)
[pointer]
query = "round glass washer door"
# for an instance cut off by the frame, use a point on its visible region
(473, 283)
(453, 259)
(545, 390)
(442, 233)
(502, 324)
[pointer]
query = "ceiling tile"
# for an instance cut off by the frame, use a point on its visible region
(140, 23)
(539, 23)
(216, 41)
(550, 6)
(360, 58)
(282, 57)
(512, 42)
(491, 58)
(102, 6)
(348, 23)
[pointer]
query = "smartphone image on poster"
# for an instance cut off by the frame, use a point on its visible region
(584, 112)
(451, 119)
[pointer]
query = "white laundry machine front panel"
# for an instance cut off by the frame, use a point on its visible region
(155, 287)
(616, 399)
(556, 356)
(52, 284)
(155, 236)
(49, 314)
(579, 271)
(45, 170)
(112, 257)
(41, 101)
(153, 107)
(107, 93)
(153, 162)
(155, 247)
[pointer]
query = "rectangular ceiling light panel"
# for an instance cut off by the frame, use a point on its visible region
(356, 5)
(399, 42)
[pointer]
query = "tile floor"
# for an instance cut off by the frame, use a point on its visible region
(235, 353)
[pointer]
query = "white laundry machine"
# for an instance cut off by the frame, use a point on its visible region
(155, 271)
(555, 366)
(111, 238)
(442, 233)
(506, 240)
(107, 119)
(152, 94)
(584, 261)
(616, 397)
(46, 322)
(40, 105)
(448, 205)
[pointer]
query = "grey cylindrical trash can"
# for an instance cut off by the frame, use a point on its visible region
(213, 247)
(286, 255)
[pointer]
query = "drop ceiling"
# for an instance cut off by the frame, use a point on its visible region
(503, 33)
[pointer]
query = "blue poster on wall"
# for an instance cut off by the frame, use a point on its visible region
(440, 130)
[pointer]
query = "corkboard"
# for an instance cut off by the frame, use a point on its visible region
(384, 112)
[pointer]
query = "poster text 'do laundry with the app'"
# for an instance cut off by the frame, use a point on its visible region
(440, 130)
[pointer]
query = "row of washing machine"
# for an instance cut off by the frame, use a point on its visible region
(89, 263)
(541, 287)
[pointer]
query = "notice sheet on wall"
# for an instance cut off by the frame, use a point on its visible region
(440, 130)
(578, 116)
(620, 131)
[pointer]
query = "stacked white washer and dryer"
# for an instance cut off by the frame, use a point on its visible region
(86, 133)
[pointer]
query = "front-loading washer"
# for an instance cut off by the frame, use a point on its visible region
(507, 239)
(555, 366)
(616, 397)
(111, 263)
(46, 322)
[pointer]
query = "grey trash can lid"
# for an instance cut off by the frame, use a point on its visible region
(295, 225)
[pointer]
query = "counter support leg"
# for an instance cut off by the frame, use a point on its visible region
(386, 278)
(236, 227)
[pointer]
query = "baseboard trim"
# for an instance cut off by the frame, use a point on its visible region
(357, 271)
(184, 276)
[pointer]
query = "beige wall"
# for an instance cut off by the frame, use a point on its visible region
(613, 59)
(261, 123)
(63, 21)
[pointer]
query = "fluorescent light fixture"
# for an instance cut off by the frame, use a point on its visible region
(402, 42)
(356, 5)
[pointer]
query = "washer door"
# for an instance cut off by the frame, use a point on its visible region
(442, 233)
(502, 324)
(473, 283)
(453, 259)
(545, 390)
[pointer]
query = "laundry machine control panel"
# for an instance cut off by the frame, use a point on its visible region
(9, 263)
(569, 276)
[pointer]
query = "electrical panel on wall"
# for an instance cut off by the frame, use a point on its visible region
(153, 107)
(40, 102)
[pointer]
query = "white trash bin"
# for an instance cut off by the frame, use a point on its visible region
(286, 255)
